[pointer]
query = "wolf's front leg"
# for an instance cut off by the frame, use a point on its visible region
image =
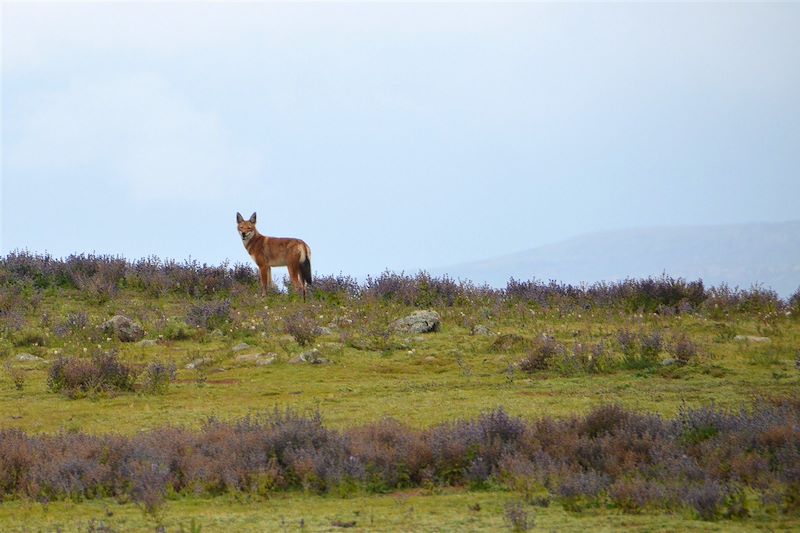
(266, 279)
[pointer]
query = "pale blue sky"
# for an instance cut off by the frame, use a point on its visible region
(399, 136)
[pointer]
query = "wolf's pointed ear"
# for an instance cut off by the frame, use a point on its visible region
(239, 218)
(253, 218)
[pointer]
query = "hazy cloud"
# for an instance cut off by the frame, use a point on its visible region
(137, 131)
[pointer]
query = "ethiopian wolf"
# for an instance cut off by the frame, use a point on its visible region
(270, 252)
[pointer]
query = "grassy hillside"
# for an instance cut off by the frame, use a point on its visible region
(575, 372)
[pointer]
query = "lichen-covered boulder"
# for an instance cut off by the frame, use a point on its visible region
(123, 328)
(418, 322)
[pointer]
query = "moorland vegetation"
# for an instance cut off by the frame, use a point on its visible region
(645, 397)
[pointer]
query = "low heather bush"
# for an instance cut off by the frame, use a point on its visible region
(209, 315)
(639, 350)
(794, 303)
(627, 343)
(683, 349)
(16, 374)
(650, 345)
(99, 277)
(541, 355)
(341, 285)
(517, 517)
(14, 303)
(509, 342)
(176, 331)
(72, 324)
(389, 455)
(421, 290)
(698, 425)
(102, 373)
(648, 294)
(29, 337)
(583, 485)
(703, 460)
(604, 420)
(157, 377)
(722, 300)
(599, 358)
(99, 281)
(11, 321)
(302, 327)
(585, 357)
(632, 495)
(706, 498)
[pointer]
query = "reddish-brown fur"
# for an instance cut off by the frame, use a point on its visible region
(270, 252)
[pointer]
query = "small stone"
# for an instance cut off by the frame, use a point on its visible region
(266, 359)
(311, 357)
(241, 346)
(124, 328)
(669, 362)
(198, 363)
(147, 342)
(482, 330)
(28, 357)
(430, 358)
(751, 338)
(322, 330)
(258, 359)
(332, 346)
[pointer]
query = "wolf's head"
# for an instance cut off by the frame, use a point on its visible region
(246, 228)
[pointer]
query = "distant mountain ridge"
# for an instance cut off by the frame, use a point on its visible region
(738, 254)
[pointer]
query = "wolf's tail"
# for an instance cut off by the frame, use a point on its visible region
(305, 266)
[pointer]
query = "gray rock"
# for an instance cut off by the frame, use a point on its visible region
(418, 322)
(669, 362)
(482, 330)
(311, 357)
(147, 342)
(266, 359)
(241, 346)
(28, 357)
(322, 330)
(750, 338)
(332, 346)
(198, 363)
(258, 359)
(123, 328)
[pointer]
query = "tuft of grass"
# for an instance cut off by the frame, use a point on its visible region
(302, 327)
(16, 374)
(517, 517)
(542, 354)
(157, 377)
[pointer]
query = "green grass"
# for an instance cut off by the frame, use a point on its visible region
(419, 380)
(418, 511)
